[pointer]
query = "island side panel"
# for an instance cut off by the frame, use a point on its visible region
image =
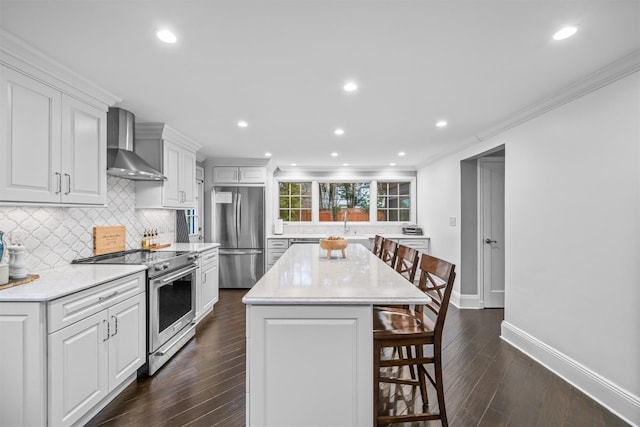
(309, 365)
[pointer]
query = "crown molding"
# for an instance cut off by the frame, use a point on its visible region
(21, 56)
(604, 76)
(159, 130)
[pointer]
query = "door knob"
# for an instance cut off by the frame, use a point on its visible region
(489, 241)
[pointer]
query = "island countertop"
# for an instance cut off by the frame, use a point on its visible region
(304, 275)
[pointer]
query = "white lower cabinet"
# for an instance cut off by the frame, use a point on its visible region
(90, 358)
(75, 353)
(78, 369)
(207, 283)
(275, 249)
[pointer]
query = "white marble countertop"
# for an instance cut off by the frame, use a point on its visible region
(346, 236)
(304, 275)
(190, 247)
(65, 280)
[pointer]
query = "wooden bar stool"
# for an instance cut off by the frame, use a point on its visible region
(422, 326)
(407, 262)
(388, 252)
(377, 245)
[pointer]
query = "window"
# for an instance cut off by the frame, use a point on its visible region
(351, 198)
(192, 221)
(394, 201)
(295, 201)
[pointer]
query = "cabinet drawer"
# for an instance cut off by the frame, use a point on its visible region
(209, 257)
(72, 308)
(274, 255)
(278, 243)
(420, 244)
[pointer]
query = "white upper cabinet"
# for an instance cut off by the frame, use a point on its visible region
(239, 175)
(84, 153)
(175, 156)
(53, 142)
(30, 142)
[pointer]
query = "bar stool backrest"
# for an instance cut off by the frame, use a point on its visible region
(388, 252)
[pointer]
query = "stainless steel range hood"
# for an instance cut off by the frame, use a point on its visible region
(122, 161)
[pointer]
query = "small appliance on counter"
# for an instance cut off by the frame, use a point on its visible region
(278, 227)
(412, 230)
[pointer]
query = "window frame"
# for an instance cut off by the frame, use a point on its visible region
(373, 195)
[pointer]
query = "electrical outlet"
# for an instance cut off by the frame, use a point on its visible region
(452, 221)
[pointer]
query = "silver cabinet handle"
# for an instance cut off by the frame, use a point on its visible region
(68, 183)
(489, 241)
(112, 294)
(204, 277)
(108, 331)
(59, 183)
(115, 322)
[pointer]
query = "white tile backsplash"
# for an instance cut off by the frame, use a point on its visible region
(56, 236)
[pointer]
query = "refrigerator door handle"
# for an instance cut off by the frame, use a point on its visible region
(239, 218)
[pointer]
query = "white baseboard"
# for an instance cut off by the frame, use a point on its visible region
(465, 301)
(619, 401)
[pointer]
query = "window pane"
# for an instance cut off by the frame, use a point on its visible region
(295, 201)
(338, 199)
(394, 201)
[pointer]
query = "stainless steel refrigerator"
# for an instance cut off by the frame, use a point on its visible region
(238, 225)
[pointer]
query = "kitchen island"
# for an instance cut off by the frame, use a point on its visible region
(309, 336)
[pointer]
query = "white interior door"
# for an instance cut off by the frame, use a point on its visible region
(491, 182)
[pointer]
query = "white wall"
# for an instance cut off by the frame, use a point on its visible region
(572, 229)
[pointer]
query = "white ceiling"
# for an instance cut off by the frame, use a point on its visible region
(280, 65)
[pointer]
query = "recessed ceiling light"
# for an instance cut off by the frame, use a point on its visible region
(345, 164)
(293, 164)
(267, 154)
(166, 36)
(392, 164)
(334, 154)
(339, 131)
(565, 33)
(442, 123)
(242, 124)
(350, 87)
(402, 153)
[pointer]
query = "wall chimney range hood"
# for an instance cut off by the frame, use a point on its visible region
(122, 161)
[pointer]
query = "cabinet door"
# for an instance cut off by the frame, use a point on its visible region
(30, 139)
(23, 389)
(127, 341)
(171, 195)
(209, 285)
(188, 179)
(252, 175)
(78, 377)
(225, 175)
(84, 150)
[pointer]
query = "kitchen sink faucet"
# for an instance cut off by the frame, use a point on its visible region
(346, 229)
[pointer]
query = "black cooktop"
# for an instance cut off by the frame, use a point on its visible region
(134, 256)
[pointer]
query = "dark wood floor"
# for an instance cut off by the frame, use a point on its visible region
(487, 382)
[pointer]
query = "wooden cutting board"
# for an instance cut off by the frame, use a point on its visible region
(109, 239)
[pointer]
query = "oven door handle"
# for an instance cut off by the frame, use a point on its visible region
(177, 275)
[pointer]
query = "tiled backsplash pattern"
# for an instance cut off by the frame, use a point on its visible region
(56, 236)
